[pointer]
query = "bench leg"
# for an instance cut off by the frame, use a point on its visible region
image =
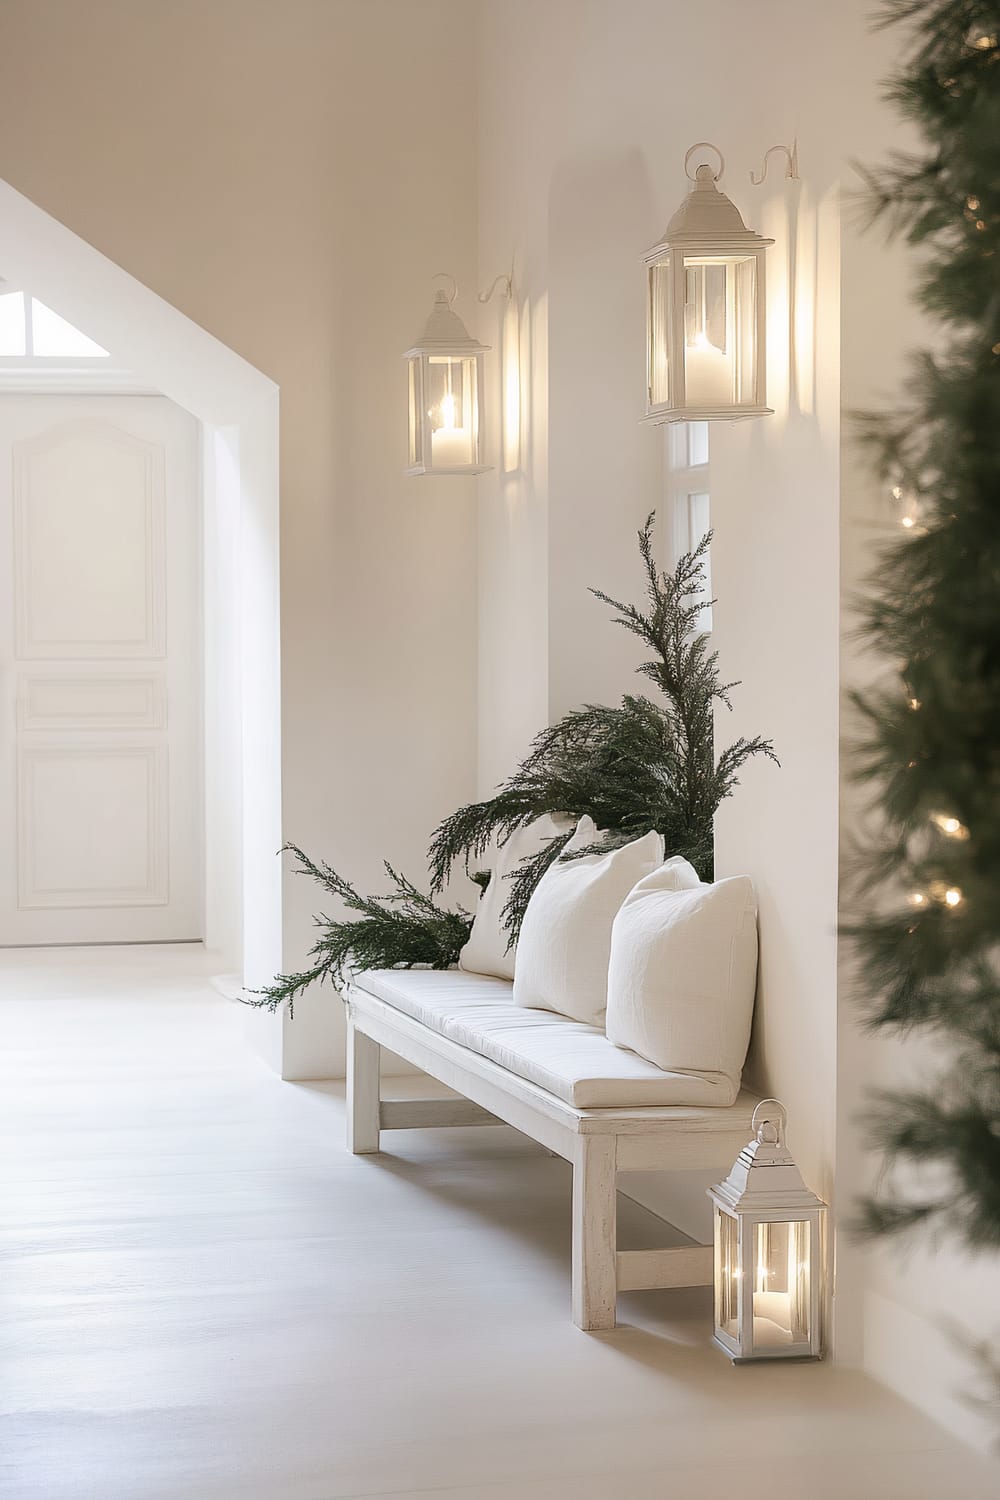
(362, 1092)
(594, 1232)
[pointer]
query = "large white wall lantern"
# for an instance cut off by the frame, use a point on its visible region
(768, 1250)
(706, 310)
(445, 368)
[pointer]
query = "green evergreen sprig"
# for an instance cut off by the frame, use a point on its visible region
(640, 766)
(633, 768)
(402, 928)
(930, 940)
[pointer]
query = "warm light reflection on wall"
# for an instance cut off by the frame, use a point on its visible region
(803, 289)
(510, 384)
(775, 224)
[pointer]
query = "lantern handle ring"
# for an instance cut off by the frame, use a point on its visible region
(760, 1122)
(704, 146)
(447, 276)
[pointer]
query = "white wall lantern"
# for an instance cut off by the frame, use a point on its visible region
(768, 1250)
(705, 312)
(445, 368)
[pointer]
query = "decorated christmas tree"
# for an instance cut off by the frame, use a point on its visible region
(930, 939)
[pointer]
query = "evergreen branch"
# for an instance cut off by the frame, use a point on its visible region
(954, 1132)
(636, 767)
(397, 930)
(639, 766)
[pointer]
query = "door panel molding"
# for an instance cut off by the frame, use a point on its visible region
(44, 564)
(93, 773)
(106, 700)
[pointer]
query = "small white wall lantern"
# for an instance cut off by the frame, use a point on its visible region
(705, 315)
(768, 1250)
(445, 369)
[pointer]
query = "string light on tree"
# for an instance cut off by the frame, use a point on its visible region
(906, 505)
(938, 891)
(951, 827)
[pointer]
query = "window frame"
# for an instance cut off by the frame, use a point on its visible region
(687, 475)
(58, 373)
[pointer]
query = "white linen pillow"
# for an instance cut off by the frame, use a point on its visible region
(562, 952)
(683, 973)
(486, 951)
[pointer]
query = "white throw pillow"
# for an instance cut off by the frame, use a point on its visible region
(683, 974)
(486, 951)
(562, 954)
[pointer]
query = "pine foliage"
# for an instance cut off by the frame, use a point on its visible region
(401, 929)
(639, 766)
(930, 940)
(633, 768)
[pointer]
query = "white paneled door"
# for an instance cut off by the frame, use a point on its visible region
(100, 671)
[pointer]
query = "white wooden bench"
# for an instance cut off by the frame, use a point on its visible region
(599, 1143)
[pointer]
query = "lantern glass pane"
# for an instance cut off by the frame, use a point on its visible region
(781, 1299)
(660, 318)
(719, 330)
(452, 410)
(727, 1275)
(416, 452)
(744, 274)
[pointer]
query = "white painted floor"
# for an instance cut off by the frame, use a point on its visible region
(204, 1296)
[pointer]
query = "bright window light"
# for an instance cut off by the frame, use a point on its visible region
(52, 335)
(12, 324)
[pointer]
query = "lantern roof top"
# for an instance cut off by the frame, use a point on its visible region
(764, 1176)
(708, 220)
(445, 333)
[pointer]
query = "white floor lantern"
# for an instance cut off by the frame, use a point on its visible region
(768, 1250)
(706, 310)
(445, 383)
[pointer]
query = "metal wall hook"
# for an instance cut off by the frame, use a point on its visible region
(506, 280)
(791, 162)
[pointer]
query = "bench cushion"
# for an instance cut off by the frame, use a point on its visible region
(569, 1059)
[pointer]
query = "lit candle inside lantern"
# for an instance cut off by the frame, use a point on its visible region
(772, 1318)
(450, 445)
(707, 374)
